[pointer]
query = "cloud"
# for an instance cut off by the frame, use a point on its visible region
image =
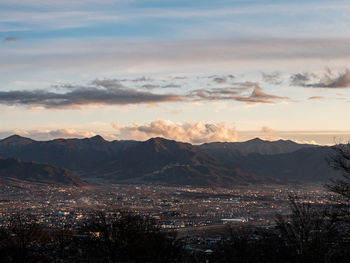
(180, 77)
(192, 132)
(327, 80)
(266, 130)
(215, 94)
(106, 91)
(140, 79)
(46, 134)
(273, 78)
(99, 55)
(155, 86)
(315, 97)
(258, 96)
(268, 133)
(11, 38)
(299, 79)
(221, 79)
(235, 93)
(113, 92)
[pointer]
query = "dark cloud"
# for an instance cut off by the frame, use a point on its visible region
(299, 79)
(327, 80)
(106, 91)
(116, 84)
(221, 79)
(106, 83)
(113, 92)
(11, 38)
(273, 78)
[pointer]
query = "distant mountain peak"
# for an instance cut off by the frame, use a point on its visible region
(17, 139)
(257, 139)
(159, 140)
(97, 138)
(158, 144)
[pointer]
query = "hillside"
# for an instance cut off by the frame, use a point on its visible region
(31, 172)
(73, 154)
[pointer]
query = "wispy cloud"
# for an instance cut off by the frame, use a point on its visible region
(316, 98)
(156, 86)
(268, 133)
(139, 79)
(273, 78)
(235, 93)
(146, 56)
(215, 94)
(192, 132)
(11, 38)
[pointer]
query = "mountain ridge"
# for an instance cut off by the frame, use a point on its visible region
(162, 161)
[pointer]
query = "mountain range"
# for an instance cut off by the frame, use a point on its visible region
(162, 161)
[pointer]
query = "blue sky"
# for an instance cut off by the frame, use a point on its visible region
(135, 69)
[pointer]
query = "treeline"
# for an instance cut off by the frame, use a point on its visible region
(122, 237)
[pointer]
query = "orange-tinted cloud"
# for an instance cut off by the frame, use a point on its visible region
(192, 132)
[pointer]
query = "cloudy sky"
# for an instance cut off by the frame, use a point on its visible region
(195, 71)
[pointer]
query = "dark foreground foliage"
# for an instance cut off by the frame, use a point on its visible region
(122, 237)
(309, 234)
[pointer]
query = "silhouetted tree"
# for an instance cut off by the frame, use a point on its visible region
(124, 237)
(21, 240)
(248, 245)
(340, 160)
(311, 232)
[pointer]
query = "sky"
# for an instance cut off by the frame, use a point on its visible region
(194, 71)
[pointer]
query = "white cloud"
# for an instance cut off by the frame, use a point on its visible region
(268, 134)
(48, 134)
(192, 132)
